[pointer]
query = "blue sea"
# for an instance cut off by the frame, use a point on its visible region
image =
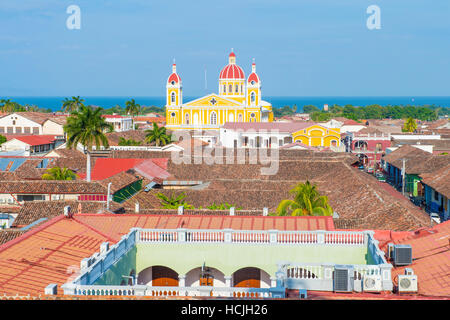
(55, 103)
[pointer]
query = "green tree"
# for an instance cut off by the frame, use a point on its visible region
(2, 139)
(173, 201)
(56, 173)
(132, 108)
(71, 105)
(310, 109)
(410, 125)
(87, 126)
(157, 135)
(128, 142)
(307, 202)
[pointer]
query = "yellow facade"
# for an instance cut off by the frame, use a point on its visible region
(238, 100)
(318, 136)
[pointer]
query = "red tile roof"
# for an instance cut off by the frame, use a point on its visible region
(431, 257)
(118, 225)
(107, 167)
(36, 140)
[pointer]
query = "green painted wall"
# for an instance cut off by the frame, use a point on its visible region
(229, 258)
(411, 183)
(113, 276)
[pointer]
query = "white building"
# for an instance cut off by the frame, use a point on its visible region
(36, 123)
(120, 123)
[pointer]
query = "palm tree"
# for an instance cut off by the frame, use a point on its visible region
(87, 126)
(157, 135)
(173, 202)
(56, 173)
(307, 202)
(7, 105)
(132, 107)
(70, 105)
(410, 125)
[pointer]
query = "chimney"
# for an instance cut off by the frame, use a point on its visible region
(136, 207)
(67, 212)
(180, 210)
(232, 211)
(265, 211)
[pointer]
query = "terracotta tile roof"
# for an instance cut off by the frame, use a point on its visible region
(403, 151)
(31, 211)
(8, 235)
(47, 254)
(118, 225)
(120, 180)
(439, 180)
(431, 260)
(417, 161)
(38, 117)
(369, 130)
(51, 187)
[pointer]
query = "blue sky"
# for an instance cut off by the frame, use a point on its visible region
(301, 47)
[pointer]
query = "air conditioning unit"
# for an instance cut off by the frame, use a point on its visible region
(343, 279)
(372, 283)
(402, 255)
(407, 283)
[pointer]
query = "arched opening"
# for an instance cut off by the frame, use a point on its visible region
(251, 277)
(252, 98)
(206, 276)
(363, 159)
(231, 117)
(173, 98)
(258, 142)
(360, 145)
(187, 118)
(158, 276)
(287, 140)
(240, 117)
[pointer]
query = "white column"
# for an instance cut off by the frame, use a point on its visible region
(182, 280)
(228, 281)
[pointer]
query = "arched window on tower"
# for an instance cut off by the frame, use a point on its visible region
(242, 88)
(187, 118)
(237, 88)
(253, 97)
(231, 89)
(213, 118)
(172, 98)
(224, 88)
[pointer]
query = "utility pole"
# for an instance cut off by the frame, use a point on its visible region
(403, 177)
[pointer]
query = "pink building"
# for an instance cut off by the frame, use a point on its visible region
(370, 144)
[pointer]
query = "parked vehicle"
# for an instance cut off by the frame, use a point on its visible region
(435, 217)
(380, 177)
(369, 170)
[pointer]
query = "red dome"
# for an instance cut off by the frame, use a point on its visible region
(174, 77)
(232, 71)
(232, 54)
(253, 77)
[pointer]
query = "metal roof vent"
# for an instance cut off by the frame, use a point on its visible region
(342, 281)
(402, 255)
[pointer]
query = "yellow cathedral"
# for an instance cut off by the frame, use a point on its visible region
(239, 100)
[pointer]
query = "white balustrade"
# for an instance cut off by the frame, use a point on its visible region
(252, 236)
